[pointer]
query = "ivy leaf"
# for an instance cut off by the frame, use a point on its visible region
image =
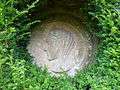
(114, 30)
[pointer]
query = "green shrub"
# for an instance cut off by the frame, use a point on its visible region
(18, 73)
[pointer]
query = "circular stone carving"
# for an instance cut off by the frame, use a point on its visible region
(60, 46)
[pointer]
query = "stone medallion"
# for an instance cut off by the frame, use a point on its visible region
(60, 46)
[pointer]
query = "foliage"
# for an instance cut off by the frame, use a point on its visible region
(16, 70)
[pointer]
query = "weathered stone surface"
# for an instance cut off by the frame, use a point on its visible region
(60, 46)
